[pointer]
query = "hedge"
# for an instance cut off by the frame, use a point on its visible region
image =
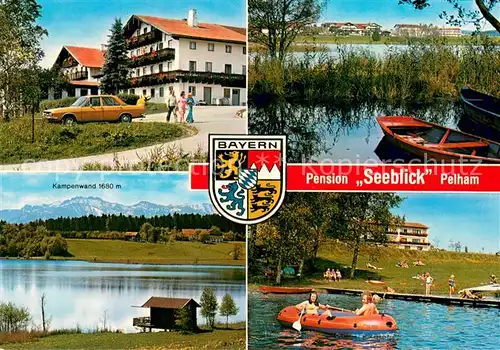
(68, 101)
(62, 102)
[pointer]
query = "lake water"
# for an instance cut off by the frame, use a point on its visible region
(421, 326)
(78, 293)
(331, 134)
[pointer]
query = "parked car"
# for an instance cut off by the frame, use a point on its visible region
(201, 103)
(97, 108)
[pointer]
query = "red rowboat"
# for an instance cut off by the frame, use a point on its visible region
(432, 141)
(377, 283)
(284, 290)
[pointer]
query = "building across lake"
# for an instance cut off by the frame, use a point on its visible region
(410, 235)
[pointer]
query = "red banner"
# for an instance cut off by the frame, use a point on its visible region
(379, 177)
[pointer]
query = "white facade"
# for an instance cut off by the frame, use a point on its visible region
(409, 237)
(191, 55)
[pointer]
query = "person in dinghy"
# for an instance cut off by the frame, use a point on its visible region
(369, 307)
(313, 307)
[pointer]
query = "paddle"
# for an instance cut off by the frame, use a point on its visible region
(338, 309)
(296, 325)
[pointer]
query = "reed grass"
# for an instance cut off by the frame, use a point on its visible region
(421, 71)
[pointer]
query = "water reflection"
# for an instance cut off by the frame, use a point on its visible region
(350, 133)
(78, 293)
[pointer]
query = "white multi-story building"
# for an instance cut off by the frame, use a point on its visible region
(410, 235)
(450, 31)
(83, 67)
(208, 60)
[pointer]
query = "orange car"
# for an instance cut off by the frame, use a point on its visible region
(102, 108)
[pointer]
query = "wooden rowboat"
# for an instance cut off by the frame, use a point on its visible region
(431, 141)
(377, 283)
(284, 290)
(482, 108)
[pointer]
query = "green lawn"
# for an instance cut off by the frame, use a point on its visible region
(53, 141)
(470, 270)
(355, 39)
(218, 339)
(151, 253)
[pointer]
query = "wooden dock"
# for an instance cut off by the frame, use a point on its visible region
(422, 298)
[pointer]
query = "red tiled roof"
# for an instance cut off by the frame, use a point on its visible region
(408, 25)
(87, 56)
(130, 234)
(168, 303)
(84, 83)
(203, 31)
(414, 224)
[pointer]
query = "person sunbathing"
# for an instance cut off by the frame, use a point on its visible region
(467, 294)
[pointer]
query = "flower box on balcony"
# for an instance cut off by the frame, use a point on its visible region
(144, 39)
(229, 80)
(167, 54)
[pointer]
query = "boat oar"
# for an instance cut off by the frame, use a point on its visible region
(338, 309)
(296, 325)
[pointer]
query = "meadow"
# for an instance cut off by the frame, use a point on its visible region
(470, 269)
(220, 338)
(155, 253)
(54, 141)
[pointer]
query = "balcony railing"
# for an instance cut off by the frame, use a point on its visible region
(79, 76)
(144, 39)
(415, 243)
(152, 57)
(97, 74)
(141, 321)
(229, 80)
(423, 234)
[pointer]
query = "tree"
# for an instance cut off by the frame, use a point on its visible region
(215, 231)
(376, 36)
(115, 72)
(463, 15)
(45, 320)
(209, 306)
(228, 308)
(275, 24)
(146, 231)
(182, 319)
(228, 236)
(13, 318)
(363, 218)
(20, 52)
(236, 251)
(204, 237)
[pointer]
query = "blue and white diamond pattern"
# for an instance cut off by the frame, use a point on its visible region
(247, 178)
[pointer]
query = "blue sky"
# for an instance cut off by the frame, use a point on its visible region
(472, 219)
(388, 12)
(18, 189)
(87, 22)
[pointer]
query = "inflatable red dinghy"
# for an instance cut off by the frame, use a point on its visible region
(342, 322)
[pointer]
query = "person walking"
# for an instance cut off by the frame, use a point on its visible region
(190, 102)
(451, 285)
(181, 107)
(171, 102)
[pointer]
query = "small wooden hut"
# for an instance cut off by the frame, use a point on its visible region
(163, 313)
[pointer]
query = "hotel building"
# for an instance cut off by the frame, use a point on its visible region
(410, 235)
(207, 60)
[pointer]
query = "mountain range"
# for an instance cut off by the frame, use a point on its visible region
(82, 206)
